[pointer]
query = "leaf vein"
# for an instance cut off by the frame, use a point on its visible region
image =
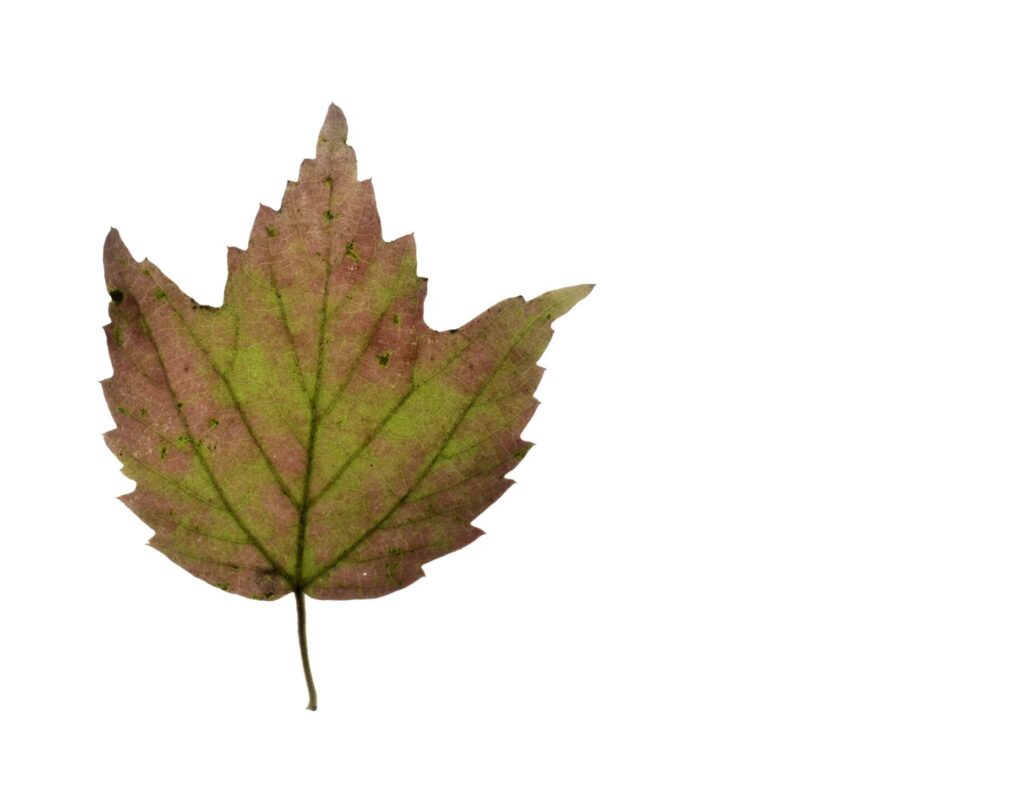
(429, 467)
(234, 399)
(204, 464)
(233, 565)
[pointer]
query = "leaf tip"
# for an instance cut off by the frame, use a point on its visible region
(115, 252)
(335, 128)
(560, 301)
(112, 242)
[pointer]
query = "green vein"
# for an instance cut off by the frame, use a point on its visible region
(397, 407)
(204, 464)
(517, 391)
(483, 440)
(235, 332)
(423, 497)
(279, 301)
(233, 565)
(401, 553)
(369, 341)
(139, 462)
(434, 514)
(170, 442)
(234, 399)
(211, 536)
(314, 423)
(429, 467)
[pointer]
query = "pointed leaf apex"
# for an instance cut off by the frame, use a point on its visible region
(335, 129)
(562, 300)
(114, 250)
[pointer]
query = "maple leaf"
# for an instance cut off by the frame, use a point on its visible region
(312, 435)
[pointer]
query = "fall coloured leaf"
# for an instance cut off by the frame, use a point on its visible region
(312, 435)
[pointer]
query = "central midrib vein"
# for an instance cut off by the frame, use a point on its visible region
(314, 421)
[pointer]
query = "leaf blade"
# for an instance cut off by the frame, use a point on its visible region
(312, 433)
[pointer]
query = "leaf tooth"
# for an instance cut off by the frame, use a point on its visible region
(125, 498)
(369, 231)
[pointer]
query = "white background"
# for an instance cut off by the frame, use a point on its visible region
(770, 538)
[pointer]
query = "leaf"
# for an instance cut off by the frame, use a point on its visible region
(312, 435)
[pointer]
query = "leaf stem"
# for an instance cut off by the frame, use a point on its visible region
(300, 607)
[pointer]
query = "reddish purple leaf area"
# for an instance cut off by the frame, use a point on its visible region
(313, 435)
